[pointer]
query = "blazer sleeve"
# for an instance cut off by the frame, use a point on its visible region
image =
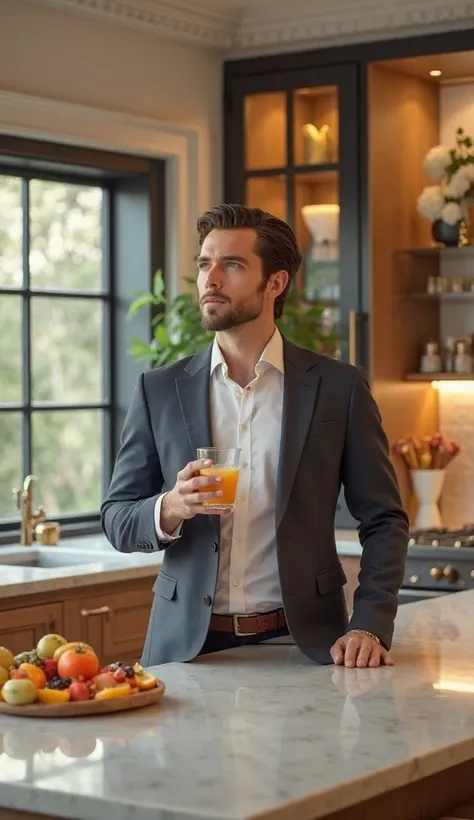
(373, 498)
(128, 510)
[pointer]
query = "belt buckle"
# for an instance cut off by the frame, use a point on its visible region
(237, 631)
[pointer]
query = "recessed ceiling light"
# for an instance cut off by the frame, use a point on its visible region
(435, 73)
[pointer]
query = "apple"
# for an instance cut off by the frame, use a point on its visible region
(19, 692)
(48, 644)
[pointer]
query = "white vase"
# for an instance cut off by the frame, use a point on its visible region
(428, 485)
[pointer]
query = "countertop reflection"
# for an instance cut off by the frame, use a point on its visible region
(248, 731)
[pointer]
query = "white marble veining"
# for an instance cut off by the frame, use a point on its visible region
(260, 732)
(105, 566)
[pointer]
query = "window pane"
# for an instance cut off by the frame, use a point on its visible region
(66, 349)
(67, 459)
(10, 462)
(66, 236)
(11, 233)
(10, 349)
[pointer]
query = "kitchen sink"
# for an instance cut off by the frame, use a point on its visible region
(52, 558)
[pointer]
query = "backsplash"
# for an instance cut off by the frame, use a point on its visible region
(457, 422)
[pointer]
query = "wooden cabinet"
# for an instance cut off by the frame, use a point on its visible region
(22, 627)
(114, 623)
(112, 617)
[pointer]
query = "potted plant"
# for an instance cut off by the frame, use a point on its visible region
(177, 330)
(446, 203)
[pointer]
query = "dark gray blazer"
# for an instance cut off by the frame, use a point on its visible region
(331, 434)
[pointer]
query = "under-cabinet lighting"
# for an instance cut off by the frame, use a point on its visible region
(454, 686)
(435, 72)
(466, 387)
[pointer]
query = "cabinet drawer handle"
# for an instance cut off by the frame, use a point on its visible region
(101, 610)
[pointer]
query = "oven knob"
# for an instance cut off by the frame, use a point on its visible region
(412, 542)
(450, 573)
(414, 579)
(436, 573)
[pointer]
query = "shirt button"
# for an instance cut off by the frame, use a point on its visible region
(215, 546)
(243, 498)
(245, 464)
(244, 426)
(207, 600)
(236, 583)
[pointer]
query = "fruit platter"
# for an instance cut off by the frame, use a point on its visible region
(61, 678)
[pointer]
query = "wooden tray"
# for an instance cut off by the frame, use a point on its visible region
(80, 708)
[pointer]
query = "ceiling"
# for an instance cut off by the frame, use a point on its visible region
(241, 27)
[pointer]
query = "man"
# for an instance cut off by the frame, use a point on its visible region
(304, 424)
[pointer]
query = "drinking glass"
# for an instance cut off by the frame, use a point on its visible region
(226, 464)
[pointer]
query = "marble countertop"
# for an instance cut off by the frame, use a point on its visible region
(347, 542)
(99, 564)
(260, 732)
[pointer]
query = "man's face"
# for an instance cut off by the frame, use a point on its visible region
(230, 282)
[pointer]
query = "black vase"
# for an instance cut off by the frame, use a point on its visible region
(446, 234)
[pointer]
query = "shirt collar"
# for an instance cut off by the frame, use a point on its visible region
(272, 355)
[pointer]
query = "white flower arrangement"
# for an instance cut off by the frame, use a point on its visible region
(453, 171)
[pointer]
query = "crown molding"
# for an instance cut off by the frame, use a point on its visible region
(206, 22)
(340, 21)
(239, 27)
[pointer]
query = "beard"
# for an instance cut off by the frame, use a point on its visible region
(240, 315)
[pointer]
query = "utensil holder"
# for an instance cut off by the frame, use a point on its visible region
(428, 486)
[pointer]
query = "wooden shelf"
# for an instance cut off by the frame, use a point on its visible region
(449, 296)
(439, 377)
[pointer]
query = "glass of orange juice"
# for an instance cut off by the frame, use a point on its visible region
(226, 464)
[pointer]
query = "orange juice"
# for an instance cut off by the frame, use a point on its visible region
(227, 486)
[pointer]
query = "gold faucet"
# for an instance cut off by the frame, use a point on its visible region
(29, 519)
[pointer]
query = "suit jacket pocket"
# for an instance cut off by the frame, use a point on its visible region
(165, 586)
(330, 579)
(322, 428)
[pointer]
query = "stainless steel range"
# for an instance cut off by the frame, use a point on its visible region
(439, 562)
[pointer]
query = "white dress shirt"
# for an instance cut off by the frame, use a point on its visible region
(249, 418)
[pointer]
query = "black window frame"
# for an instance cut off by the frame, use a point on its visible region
(32, 159)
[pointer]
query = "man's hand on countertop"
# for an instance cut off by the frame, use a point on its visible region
(356, 649)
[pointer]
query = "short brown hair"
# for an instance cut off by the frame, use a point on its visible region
(276, 241)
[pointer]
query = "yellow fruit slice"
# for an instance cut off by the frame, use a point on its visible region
(120, 691)
(6, 658)
(143, 679)
(54, 695)
(72, 645)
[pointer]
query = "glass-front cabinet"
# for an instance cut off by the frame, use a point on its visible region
(292, 148)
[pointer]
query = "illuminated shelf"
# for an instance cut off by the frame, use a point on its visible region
(439, 377)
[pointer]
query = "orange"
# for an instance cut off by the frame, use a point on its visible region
(53, 695)
(143, 679)
(34, 673)
(120, 691)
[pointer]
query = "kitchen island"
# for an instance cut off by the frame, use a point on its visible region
(261, 732)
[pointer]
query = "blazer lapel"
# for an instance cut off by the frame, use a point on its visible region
(194, 400)
(301, 382)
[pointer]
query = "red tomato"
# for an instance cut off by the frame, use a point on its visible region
(79, 690)
(78, 663)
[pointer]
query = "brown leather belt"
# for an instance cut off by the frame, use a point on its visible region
(245, 625)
